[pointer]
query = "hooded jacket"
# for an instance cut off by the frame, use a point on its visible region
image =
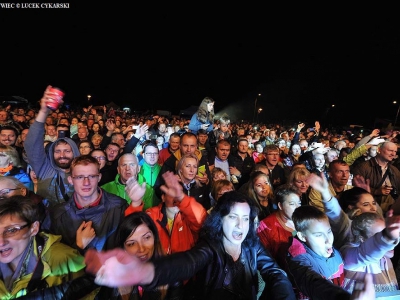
(61, 264)
(50, 176)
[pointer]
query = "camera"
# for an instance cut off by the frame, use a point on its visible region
(394, 193)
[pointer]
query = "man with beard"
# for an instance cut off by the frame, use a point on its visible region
(128, 167)
(52, 168)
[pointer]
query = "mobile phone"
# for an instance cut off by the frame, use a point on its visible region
(201, 170)
(135, 126)
(63, 134)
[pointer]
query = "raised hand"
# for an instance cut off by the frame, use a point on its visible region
(360, 181)
(172, 187)
(135, 191)
(118, 268)
(141, 131)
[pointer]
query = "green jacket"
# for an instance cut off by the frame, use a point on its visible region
(117, 188)
(61, 264)
(150, 173)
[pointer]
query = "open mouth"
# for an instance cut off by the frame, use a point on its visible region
(5, 252)
(237, 235)
(329, 251)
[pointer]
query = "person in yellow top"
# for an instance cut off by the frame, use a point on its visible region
(31, 260)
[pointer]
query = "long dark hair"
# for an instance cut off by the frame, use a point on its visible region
(129, 225)
(202, 112)
(212, 226)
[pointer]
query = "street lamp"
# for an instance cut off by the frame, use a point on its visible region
(88, 97)
(255, 107)
(259, 110)
(397, 114)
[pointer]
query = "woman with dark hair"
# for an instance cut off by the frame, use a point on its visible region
(225, 260)
(204, 117)
(138, 236)
(360, 198)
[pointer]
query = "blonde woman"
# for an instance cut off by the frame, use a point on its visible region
(187, 169)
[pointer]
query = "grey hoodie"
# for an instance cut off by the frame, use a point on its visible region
(48, 173)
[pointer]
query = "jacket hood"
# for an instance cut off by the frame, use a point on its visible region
(50, 152)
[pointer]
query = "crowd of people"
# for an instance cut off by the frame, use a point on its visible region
(100, 204)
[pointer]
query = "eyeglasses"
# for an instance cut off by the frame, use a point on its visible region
(82, 178)
(83, 147)
(12, 231)
(7, 191)
(151, 154)
(99, 157)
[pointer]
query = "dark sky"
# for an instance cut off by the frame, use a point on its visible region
(148, 59)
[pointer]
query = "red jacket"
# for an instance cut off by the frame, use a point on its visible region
(186, 226)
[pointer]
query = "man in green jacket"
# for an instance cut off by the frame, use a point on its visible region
(128, 167)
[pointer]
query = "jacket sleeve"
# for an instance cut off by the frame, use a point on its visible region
(131, 144)
(131, 209)
(194, 213)
(340, 222)
(354, 154)
(370, 251)
(186, 264)
(79, 288)
(34, 147)
(277, 284)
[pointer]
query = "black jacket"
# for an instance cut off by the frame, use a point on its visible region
(209, 261)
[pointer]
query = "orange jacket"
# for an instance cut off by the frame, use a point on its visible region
(186, 226)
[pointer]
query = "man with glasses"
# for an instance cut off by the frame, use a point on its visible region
(276, 172)
(91, 217)
(52, 167)
(128, 167)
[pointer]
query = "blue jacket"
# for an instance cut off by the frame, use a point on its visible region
(195, 124)
(316, 276)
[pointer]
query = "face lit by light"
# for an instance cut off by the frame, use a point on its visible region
(141, 243)
(236, 224)
(318, 237)
(189, 170)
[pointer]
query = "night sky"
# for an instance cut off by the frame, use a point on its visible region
(149, 60)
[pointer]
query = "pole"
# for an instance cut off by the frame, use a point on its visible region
(397, 114)
(255, 109)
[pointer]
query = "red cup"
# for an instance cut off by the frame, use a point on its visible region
(55, 102)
